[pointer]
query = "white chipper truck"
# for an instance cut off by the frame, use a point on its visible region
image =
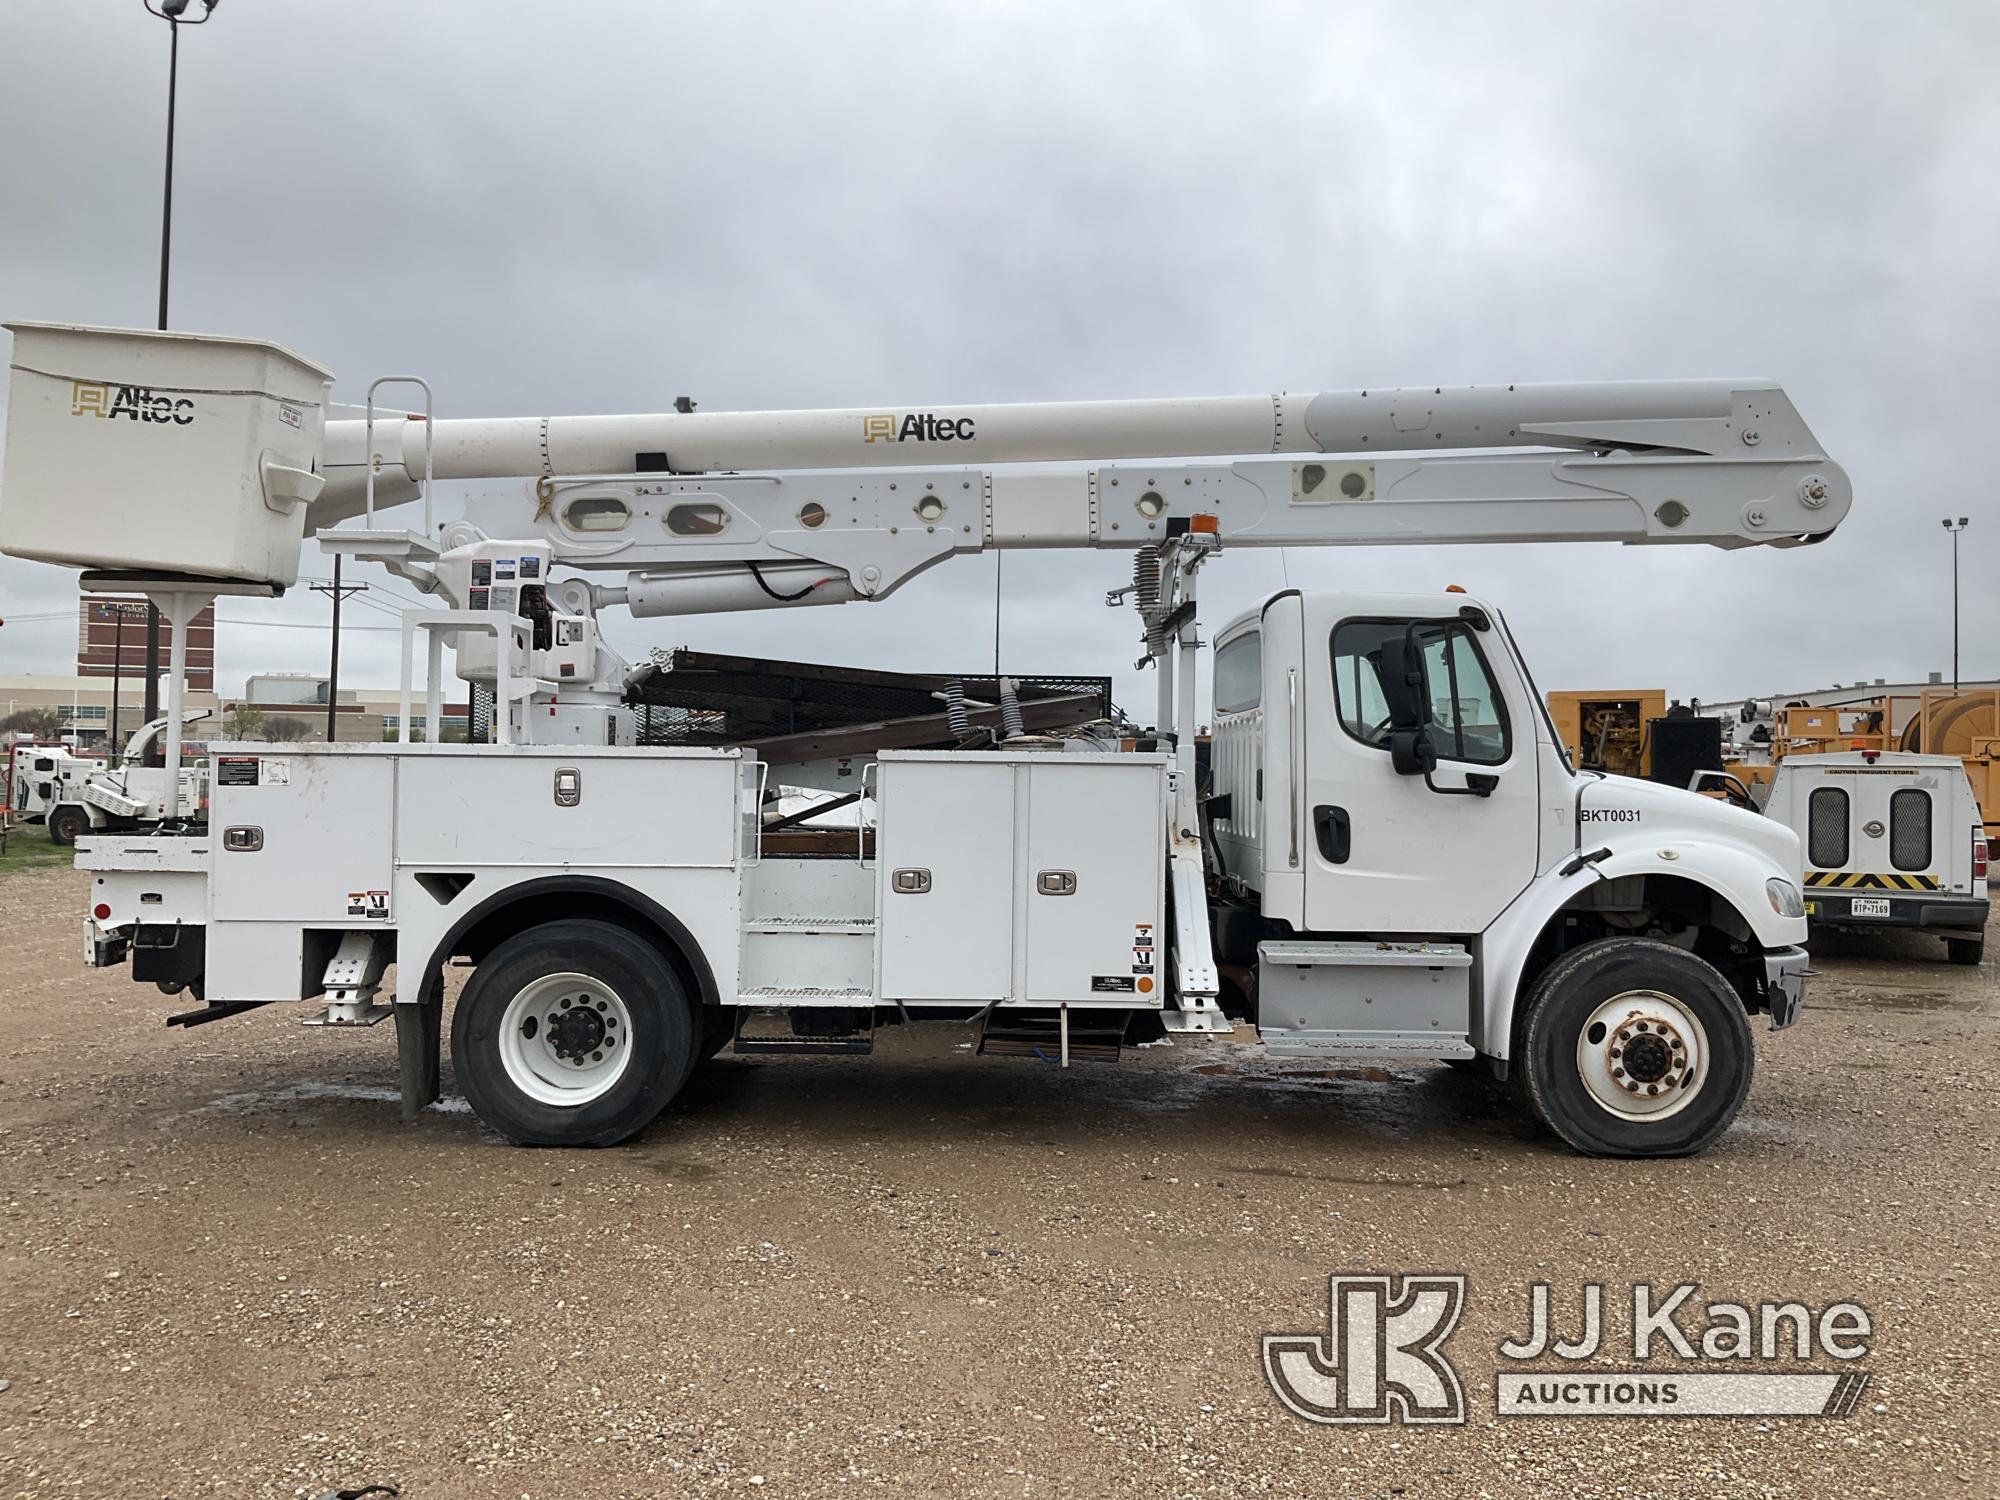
(37, 771)
(1388, 853)
(84, 795)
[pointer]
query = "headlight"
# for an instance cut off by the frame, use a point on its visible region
(1785, 898)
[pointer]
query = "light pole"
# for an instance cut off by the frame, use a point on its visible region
(1955, 527)
(174, 13)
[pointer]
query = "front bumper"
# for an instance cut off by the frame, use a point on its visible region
(1926, 913)
(1784, 984)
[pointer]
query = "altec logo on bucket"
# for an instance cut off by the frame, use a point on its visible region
(1381, 1359)
(917, 427)
(90, 398)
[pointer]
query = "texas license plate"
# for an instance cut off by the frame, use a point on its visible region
(1869, 906)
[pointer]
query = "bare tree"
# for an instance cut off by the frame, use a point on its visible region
(243, 722)
(287, 729)
(39, 723)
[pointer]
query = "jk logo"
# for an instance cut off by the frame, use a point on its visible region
(1379, 1361)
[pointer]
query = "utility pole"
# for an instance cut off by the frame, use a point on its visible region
(338, 592)
(174, 13)
(117, 674)
(1955, 527)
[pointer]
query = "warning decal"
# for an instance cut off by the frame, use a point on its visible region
(236, 770)
(1142, 947)
(373, 905)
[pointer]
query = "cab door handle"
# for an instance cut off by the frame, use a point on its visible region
(1335, 832)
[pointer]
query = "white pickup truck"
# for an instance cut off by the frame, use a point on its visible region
(1891, 840)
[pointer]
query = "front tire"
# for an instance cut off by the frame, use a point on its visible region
(67, 825)
(573, 1033)
(1634, 1047)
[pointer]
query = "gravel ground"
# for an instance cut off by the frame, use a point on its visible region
(227, 1269)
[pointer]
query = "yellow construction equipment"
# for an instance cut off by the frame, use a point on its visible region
(1607, 731)
(1612, 731)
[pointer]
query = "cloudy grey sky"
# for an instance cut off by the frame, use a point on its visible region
(594, 207)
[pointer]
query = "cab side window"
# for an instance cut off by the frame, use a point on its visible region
(1468, 719)
(1239, 674)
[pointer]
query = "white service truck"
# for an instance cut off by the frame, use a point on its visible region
(1388, 855)
(1893, 840)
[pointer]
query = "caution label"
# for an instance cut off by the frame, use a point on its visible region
(1857, 880)
(236, 770)
(374, 905)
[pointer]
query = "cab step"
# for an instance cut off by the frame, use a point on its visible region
(812, 1031)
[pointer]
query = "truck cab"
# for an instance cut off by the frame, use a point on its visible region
(1386, 787)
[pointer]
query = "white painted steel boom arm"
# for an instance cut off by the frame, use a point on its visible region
(1690, 416)
(846, 505)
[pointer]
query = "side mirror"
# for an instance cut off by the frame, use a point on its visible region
(1403, 686)
(1411, 752)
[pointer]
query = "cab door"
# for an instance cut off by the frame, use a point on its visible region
(1383, 852)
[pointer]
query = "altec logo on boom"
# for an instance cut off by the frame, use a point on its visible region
(90, 398)
(916, 427)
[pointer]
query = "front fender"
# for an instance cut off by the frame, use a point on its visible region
(1737, 874)
(1733, 874)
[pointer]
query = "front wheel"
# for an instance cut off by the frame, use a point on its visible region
(67, 825)
(573, 1033)
(1636, 1048)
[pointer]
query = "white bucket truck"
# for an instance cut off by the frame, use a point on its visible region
(1388, 854)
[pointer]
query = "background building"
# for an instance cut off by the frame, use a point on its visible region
(81, 706)
(111, 638)
(292, 705)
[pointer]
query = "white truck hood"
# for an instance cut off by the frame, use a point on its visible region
(1619, 807)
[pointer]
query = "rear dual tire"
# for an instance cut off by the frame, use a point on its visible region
(1634, 1047)
(573, 1033)
(1966, 951)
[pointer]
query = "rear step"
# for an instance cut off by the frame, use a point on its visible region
(1054, 1039)
(815, 1031)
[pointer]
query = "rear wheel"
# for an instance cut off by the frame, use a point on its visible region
(573, 1033)
(1636, 1048)
(67, 825)
(1966, 951)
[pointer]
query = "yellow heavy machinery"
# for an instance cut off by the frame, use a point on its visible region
(1637, 733)
(1624, 732)
(1937, 721)
(1607, 731)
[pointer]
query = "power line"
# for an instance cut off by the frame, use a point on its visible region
(302, 625)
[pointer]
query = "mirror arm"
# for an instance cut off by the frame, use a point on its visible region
(1477, 784)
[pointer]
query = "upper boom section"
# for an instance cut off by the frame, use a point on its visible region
(194, 456)
(1708, 417)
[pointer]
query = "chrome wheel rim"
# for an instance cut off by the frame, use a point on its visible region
(565, 1039)
(1643, 1055)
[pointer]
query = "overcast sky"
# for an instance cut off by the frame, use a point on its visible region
(594, 207)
